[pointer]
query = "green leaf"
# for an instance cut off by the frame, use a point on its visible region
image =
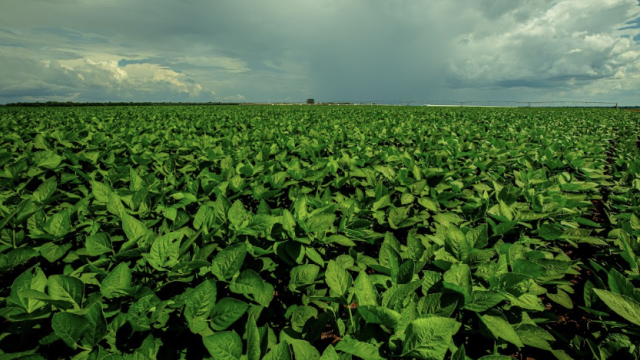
(250, 283)
(532, 335)
(526, 267)
(257, 224)
(459, 275)
(67, 288)
(114, 205)
(359, 348)
(621, 305)
(225, 345)
(199, 304)
(228, 261)
(303, 349)
(101, 191)
(98, 244)
(483, 301)
(253, 339)
(165, 251)
(429, 338)
(320, 222)
(478, 238)
(280, 352)
(429, 204)
(117, 282)
(300, 316)
(226, 312)
(337, 278)
(97, 329)
(133, 228)
(379, 315)
(59, 224)
(397, 215)
(561, 298)
(366, 292)
(621, 285)
(31, 279)
(457, 244)
(53, 252)
(204, 217)
(340, 240)
(69, 327)
(16, 257)
(527, 301)
(500, 328)
(314, 256)
(303, 275)
(330, 354)
(237, 214)
(45, 190)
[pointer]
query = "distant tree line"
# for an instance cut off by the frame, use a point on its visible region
(75, 104)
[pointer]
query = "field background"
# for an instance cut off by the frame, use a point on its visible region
(303, 232)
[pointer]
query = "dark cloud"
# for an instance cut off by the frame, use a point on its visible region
(330, 50)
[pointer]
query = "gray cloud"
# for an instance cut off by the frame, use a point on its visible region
(331, 50)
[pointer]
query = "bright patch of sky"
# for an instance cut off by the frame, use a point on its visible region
(291, 50)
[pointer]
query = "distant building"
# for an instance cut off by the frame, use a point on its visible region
(310, 101)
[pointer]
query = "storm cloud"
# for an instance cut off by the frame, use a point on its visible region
(357, 50)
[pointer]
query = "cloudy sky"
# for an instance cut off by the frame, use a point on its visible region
(330, 50)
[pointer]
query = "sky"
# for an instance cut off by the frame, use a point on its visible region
(329, 50)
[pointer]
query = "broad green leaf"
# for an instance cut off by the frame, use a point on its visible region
(45, 190)
(53, 252)
(165, 251)
(301, 315)
(561, 298)
(527, 301)
(133, 228)
(303, 275)
(366, 292)
(359, 348)
(31, 279)
(114, 205)
(98, 244)
(116, 282)
(97, 329)
(483, 301)
(199, 304)
(478, 237)
(429, 338)
(225, 345)
(457, 244)
(500, 328)
(337, 278)
(532, 335)
(226, 312)
(59, 224)
(621, 305)
(237, 214)
(253, 340)
(279, 352)
(228, 261)
(379, 315)
(522, 266)
(250, 283)
(67, 288)
(330, 354)
(69, 327)
(320, 222)
(101, 191)
(459, 275)
(621, 285)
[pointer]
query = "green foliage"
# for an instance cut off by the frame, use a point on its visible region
(329, 233)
